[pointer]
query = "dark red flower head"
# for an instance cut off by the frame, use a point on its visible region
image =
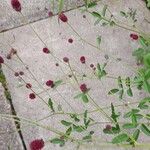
(50, 83)
(91, 65)
(134, 36)
(108, 127)
(37, 144)
(1, 60)
(82, 59)
(32, 96)
(50, 14)
(63, 17)
(16, 5)
(21, 73)
(66, 59)
(16, 74)
(46, 50)
(70, 40)
(28, 85)
(83, 88)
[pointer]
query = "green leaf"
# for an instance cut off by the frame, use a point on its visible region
(104, 10)
(136, 134)
(145, 129)
(129, 126)
(128, 114)
(96, 14)
(85, 117)
(50, 104)
(69, 130)
(113, 91)
(66, 123)
(143, 42)
(121, 92)
(57, 141)
(98, 40)
(78, 128)
(129, 92)
(61, 5)
(123, 14)
(120, 138)
(78, 96)
(134, 119)
(87, 138)
(146, 86)
(147, 60)
(85, 98)
(57, 83)
(92, 4)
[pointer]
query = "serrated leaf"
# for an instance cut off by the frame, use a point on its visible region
(145, 129)
(50, 104)
(66, 123)
(113, 91)
(120, 138)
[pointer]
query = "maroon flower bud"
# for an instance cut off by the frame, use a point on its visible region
(63, 17)
(28, 85)
(21, 73)
(83, 88)
(16, 74)
(1, 60)
(32, 96)
(50, 14)
(70, 40)
(91, 65)
(16, 5)
(37, 144)
(108, 127)
(82, 59)
(46, 50)
(134, 36)
(50, 83)
(57, 64)
(8, 56)
(84, 16)
(13, 51)
(66, 59)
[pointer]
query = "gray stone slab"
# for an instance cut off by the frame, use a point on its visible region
(33, 10)
(9, 138)
(115, 42)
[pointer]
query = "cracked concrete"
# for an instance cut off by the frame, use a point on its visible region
(115, 42)
(9, 138)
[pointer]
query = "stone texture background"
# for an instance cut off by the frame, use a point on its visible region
(115, 42)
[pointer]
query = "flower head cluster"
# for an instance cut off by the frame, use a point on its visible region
(16, 5)
(37, 144)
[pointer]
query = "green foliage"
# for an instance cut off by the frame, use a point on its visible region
(50, 104)
(120, 138)
(100, 70)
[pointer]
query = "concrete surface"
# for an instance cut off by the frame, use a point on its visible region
(33, 10)
(115, 42)
(9, 138)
